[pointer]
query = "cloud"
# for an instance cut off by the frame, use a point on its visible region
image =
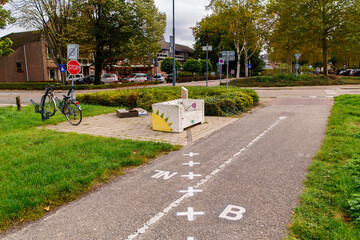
(187, 13)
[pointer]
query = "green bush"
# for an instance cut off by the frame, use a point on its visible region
(219, 101)
(283, 80)
(42, 85)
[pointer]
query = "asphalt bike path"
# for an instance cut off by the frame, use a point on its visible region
(241, 182)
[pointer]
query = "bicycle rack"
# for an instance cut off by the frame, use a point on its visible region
(38, 109)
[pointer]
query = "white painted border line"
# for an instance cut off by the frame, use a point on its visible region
(177, 202)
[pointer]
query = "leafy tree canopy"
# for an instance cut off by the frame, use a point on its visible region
(5, 18)
(192, 65)
(167, 65)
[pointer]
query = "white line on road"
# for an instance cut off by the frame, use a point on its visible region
(177, 202)
(191, 214)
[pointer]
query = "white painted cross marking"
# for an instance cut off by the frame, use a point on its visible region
(191, 175)
(233, 213)
(152, 221)
(164, 174)
(190, 214)
(190, 191)
(191, 163)
(191, 154)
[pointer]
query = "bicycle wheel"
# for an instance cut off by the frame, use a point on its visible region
(47, 104)
(72, 113)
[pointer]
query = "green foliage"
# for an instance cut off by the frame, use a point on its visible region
(203, 66)
(167, 65)
(283, 80)
(5, 17)
(192, 65)
(330, 203)
(41, 168)
(5, 47)
(41, 85)
(218, 100)
(322, 28)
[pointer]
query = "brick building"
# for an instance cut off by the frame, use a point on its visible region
(30, 61)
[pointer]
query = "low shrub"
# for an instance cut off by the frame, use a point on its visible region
(284, 80)
(219, 101)
(42, 85)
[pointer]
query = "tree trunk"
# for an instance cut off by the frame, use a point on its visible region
(246, 59)
(325, 57)
(238, 63)
(99, 60)
(61, 61)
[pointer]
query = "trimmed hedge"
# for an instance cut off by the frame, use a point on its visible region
(219, 101)
(286, 80)
(42, 85)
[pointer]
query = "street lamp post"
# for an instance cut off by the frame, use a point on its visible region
(173, 46)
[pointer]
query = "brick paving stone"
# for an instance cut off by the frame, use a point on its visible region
(140, 128)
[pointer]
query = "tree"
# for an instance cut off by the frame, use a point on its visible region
(192, 65)
(242, 21)
(143, 47)
(203, 66)
(121, 30)
(56, 20)
(5, 18)
(313, 27)
(167, 65)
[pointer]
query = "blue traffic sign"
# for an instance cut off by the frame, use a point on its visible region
(250, 66)
(62, 67)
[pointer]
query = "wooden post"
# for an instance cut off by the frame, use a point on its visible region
(18, 103)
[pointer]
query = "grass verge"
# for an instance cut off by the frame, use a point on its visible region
(42, 169)
(330, 206)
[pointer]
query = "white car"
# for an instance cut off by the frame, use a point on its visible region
(76, 78)
(109, 78)
(136, 77)
(159, 77)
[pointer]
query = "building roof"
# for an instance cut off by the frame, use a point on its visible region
(20, 38)
(178, 47)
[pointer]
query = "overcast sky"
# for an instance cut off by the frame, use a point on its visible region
(187, 13)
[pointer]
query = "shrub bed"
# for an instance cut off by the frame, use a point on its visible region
(285, 80)
(219, 101)
(42, 85)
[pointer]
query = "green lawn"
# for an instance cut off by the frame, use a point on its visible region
(41, 168)
(330, 204)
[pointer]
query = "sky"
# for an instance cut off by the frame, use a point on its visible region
(187, 13)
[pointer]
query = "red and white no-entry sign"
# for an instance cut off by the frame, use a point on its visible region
(73, 67)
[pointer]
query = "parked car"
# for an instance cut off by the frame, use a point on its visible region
(159, 78)
(76, 78)
(109, 78)
(169, 78)
(354, 72)
(89, 79)
(136, 77)
(357, 72)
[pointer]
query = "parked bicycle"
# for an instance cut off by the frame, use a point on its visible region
(50, 104)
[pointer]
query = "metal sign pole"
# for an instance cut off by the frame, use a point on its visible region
(173, 43)
(207, 55)
(220, 72)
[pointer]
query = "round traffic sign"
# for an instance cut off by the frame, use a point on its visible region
(73, 67)
(221, 61)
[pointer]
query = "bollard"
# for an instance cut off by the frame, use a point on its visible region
(18, 103)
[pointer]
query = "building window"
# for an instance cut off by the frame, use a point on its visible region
(53, 74)
(18, 67)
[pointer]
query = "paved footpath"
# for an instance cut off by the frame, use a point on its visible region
(240, 182)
